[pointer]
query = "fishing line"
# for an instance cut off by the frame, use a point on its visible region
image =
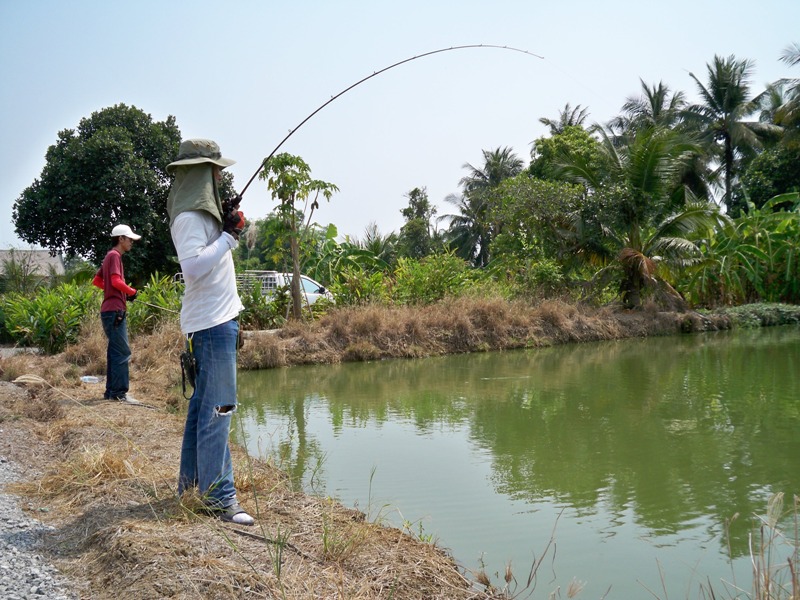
(157, 306)
(359, 82)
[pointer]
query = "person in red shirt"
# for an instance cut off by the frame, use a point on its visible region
(116, 294)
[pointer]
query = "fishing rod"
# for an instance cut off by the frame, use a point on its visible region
(368, 77)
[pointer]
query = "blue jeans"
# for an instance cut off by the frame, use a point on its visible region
(205, 455)
(118, 353)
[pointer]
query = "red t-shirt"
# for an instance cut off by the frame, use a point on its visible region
(113, 298)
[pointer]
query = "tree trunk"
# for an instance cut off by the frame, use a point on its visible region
(631, 291)
(297, 307)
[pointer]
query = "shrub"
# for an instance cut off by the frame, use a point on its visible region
(355, 286)
(5, 335)
(263, 312)
(430, 279)
(51, 318)
(158, 301)
(762, 314)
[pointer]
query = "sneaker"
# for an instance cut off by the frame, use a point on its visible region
(127, 399)
(235, 514)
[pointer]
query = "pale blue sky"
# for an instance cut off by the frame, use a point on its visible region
(246, 72)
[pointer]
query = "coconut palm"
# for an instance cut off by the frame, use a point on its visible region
(651, 220)
(383, 247)
(770, 102)
(721, 117)
(656, 105)
(498, 164)
(788, 114)
(466, 229)
(566, 118)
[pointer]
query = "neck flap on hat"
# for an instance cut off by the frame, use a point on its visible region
(194, 188)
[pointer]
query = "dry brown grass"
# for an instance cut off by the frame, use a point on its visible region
(261, 350)
(91, 352)
(455, 326)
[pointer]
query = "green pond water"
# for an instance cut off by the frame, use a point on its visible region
(631, 455)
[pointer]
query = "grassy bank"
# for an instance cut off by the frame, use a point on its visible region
(464, 325)
(103, 474)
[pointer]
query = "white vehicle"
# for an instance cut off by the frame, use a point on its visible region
(272, 281)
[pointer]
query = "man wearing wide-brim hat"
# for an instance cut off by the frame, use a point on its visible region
(204, 235)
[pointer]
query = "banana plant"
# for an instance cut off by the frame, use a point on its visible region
(754, 258)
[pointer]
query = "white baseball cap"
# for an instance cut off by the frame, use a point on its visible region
(124, 230)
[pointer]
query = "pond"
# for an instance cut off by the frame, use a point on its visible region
(645, 461)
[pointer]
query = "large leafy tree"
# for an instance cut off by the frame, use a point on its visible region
(417, 237)
(574, 142)
(773, 172)
(109, 170)
(470, 232)
(722, 118)
(538, 219)
(776, 170)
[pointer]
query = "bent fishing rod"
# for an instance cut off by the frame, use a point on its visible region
(368, 77)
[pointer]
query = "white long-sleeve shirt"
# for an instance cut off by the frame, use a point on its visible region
(211, 297)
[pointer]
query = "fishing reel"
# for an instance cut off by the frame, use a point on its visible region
(232, 217)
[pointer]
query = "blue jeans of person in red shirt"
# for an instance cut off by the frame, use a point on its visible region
(118, 354)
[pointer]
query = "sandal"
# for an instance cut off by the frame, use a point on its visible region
(235, 514)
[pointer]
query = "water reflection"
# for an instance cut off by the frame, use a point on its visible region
(671, 434)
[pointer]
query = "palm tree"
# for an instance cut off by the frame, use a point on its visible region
(498, 164)
(657, 105)
(652, 218)
(720, 118)
(566, 118)
(383, 247)
(788, 114)
(471, 232)
(465, 230)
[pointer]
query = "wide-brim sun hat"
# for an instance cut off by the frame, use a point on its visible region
(120, 230)
(194, 152)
